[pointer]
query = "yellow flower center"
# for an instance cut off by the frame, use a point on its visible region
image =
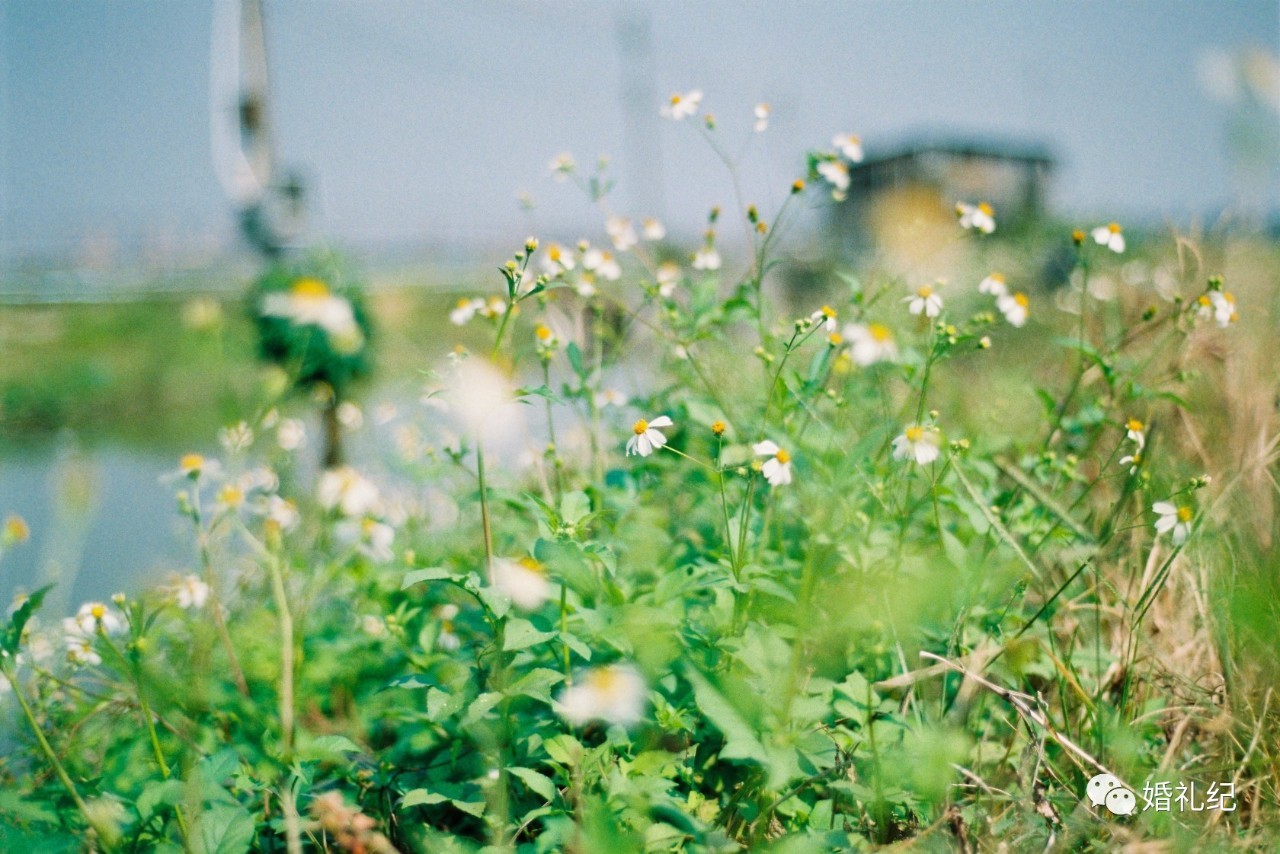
(782, 456)
(309, 289)
(925, 292)
(231, 496)
(1114, 228)
(531, 565)
(553, 252)
(98, 611)
(915, 434)
(15, 528)
(996, 277)
(1021, 299)
(542, 332)
(797, 186)
(367, 525)
(880, 332)
(640, 426)
(1205, 301)
(835, 339)
(191, 462)
(985, 208)
(1077, 236)
(828, 312)
(1134, 424)
(718, 427)
(1184, 514)
(463, 303)
(604, 679)
(1226, 295)
(675, 99)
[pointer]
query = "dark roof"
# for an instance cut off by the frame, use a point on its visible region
(1033, 153)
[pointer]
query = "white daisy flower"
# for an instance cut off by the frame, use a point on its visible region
(1135, 431)
(993, 284)
(615, 694)
(917, 443)
(653, 229)
(80, 651)
(522, 581)
(95, 615)
(236, 438)
(464, 310)
(1132, 461)
(1173, 518)
(827, 317)
(610, 397)
(870, 343)
(194, 466)
(562, 166)
(291, 434)
(646, 438)
(668, 276)
(309, 302)
(346, 490)
(191, 592)
(280, 511)
(924, 301)
(557, 260)
(682, 105)
(1224, 308)
(620, 232)
(601, 263)
(706, 258)
(776, 469)
(850, 145)
(492, 308)
(979, 216)
(1110, 236)
(836, 173)
(761, 112)
(1014, 307)
(372, 538)
(350, 415)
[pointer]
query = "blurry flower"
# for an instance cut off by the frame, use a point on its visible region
(95, 615)
(602, 263)
(1014, 307)
(615, 694)
(870, 344)
(668, 276)
(682, 105)
(1135, 431)
(621, 233)
(281, 511)
(653, 229)
(80, 651)
(493, 308)
(924, 301)
(230, 497)
(1173, 518)
(1133, 461)
(979, 216)
(309, 302)
(545, 339)
(776, 469)
(706, 258)
(464, 310)
(1224, 308)
(373, 625)
(522, 581)
(194, 465)
(836, 173)
(191, 592)
(350, 416)
(761, 112)
(202, 314)
(1109, 236)
(646, 438)
(557, 260)
(562, 166)
(917, 443)
(850, 145)
(16, 530)
(826, 316)
(448, 639)
(348, 491)
(291, 434)
(373, 538)
(993, 284)
(236, 438)
(610, 397)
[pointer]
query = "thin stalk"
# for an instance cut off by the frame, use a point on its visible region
(292, 823)
(215, 601)
(484, 509)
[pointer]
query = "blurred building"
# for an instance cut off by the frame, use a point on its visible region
(918, 184)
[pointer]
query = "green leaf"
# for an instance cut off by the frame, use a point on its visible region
(328, 747)
(13, 634)
(564, 749)
(537, 684)
(741, 741)
(421, 798)
(158, 793)
(521, 634)
(574, 507)
(417, 576)
(224, 829)
(575, 359)
(537, 783)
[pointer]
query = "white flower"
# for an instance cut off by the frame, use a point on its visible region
(653, 229)
(557, 260)
(1224, 308)
(761, 112)
(348, 491)
(236, 438)
(870, 344)
(647, 439)
(191, 592)
(447, 640)
(836, 172)
(1135, 431)
(776, 469)
(310, 303)
(1133, 461)
(350, 416)
(994, 285)
(492, 308)
(616, 693)
(523, 581)
(825, 316)
(610, 397)
(465, 310)
(80, 651)
(1173, 518)
(1014, 307)
(620, 232)
(979, 216)
(917, 443)
(850, 145)
(281, 511)
(1110, 236)
(372, 538)
(562, 166)
(95, 615)
(924, 301)
(668, 276)
(706, 258)
(602, 263)
(291, 434)
(682, 105)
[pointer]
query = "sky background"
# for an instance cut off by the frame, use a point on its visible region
(419, 122)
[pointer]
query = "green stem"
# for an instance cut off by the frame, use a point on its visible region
(293, 825)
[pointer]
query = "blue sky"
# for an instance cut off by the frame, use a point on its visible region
(420, 121)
